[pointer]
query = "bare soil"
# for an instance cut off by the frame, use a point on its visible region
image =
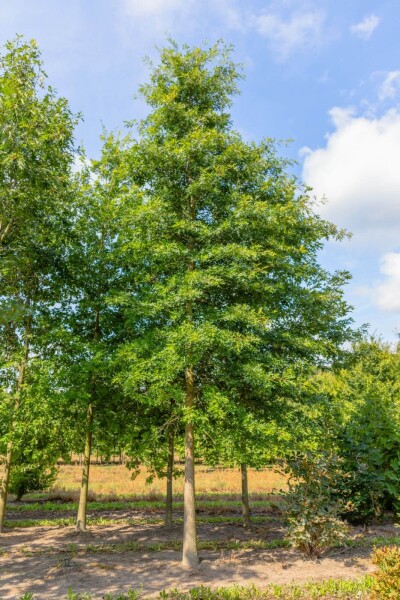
(48, 560)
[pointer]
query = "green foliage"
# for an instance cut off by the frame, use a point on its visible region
(330, 589)
(370, 442)
(314, 525)
(386, 582)
(359, 421)
(36, 156)
(71, 595)
(26, 477)
(219, 243)
(175, 281)
(130, 595)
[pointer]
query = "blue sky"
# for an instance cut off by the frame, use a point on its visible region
(324, 73)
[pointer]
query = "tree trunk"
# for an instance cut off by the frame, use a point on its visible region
(4, 484)
(81, 518)
(189, 557)
(245, 496)
(9, 452)
(170, 473)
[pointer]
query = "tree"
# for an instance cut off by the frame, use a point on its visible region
(91, 323)
(150, 442)
(225, 246)
(36, 154)
(239, 438)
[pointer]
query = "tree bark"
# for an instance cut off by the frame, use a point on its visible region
(4, 230)
(170, 474)
(189, 556)
(9, 452)
(5, 483)
(82, 509)
(245, 496)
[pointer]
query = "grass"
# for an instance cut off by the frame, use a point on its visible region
(324, 590)
(331, 589)
(222, 505)
(216, 545)
(338, 588)
(175, 545)
(213, 545)
(68, 521)
(115, 480)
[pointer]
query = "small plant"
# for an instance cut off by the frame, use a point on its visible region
(72, 596)
(130, 595)
(386, 583)
(313, 519)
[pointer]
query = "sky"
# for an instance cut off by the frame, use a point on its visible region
(322, 73)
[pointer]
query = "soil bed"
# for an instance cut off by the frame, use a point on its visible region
(48, 560)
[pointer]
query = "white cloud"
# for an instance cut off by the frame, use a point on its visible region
(300, 30)
(390, 85)
(287, 25)
(366, 27)
(358, 172)
(387, 294)
(233, 18)
(152, 8)
(160, 15)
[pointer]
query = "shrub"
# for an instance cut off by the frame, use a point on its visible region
(313, 519)
(386, 583)
(27, 478)
(370, 448)
(366, 431)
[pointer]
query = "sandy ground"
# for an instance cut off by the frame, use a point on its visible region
(39, 560)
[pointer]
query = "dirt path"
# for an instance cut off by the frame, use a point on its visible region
(48, 560)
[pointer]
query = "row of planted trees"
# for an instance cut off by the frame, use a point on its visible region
(169, 290)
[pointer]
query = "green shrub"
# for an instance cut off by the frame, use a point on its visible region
(366, 432)
(386, 583)
(26, 478)
(370, 451)
(314, 524)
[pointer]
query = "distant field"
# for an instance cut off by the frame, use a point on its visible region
(115, 480)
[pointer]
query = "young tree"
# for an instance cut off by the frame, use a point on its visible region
(92, 324)
(150, 442)
(239, 438)
(36, 154)
(225, 248)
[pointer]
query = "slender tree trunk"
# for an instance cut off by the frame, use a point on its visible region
(4, 230)
(170, 473)
(4, 484)
(81, 518)
(9, 452)
(189, 557)
(82, 508)
(245, 496)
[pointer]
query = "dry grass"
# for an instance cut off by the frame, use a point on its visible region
(115, 481)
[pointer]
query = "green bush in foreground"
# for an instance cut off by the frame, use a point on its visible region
(386, 583)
